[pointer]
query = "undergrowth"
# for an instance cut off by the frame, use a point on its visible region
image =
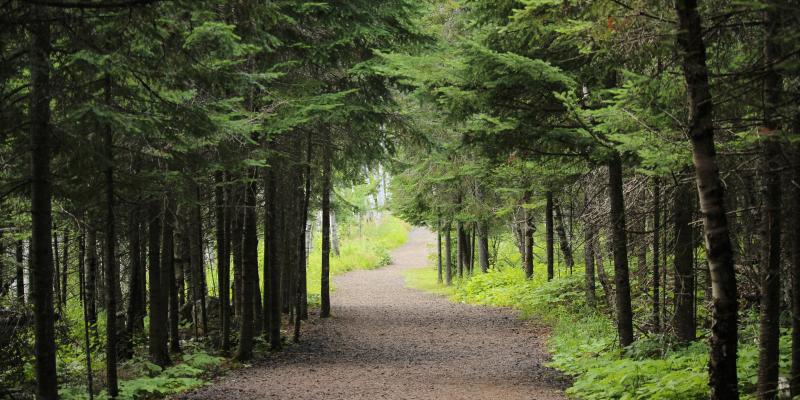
(583, 340)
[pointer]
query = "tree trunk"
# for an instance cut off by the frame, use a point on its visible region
(769, 337)
(20, 279)
(683, 321)
(169, 278)
(334, 234)
(724, 335)
(608, 290)
(65, 267)
(41, 208)
(134, 323)
(483, 245)
(250, 258)
(548, 227)
(159, 353)
(460, 248)
(439, 276)
(273, 259)
(91, 272)
(795, 265)
(237, 232)
(223, 261)
(110, 262)
(563, 240)
(529, 230)
(656, 253)
(56, 272)
(196, 256)
(448, 254)
(589, 249)
(620, 245)
(325, 295)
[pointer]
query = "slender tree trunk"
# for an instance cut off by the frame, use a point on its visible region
(588, 257)
(448, 254)
(795, 266)
(41, 208)
(483, 245)
(683, 320)
(528, 243)
(223, 261)
(656, 253)
(196, 256)
(57, 272)
(134, 323)
(608, 290)
(110, 263)
(620, 245)
(460, 248)
(91, 272)
(237, 232)
(20, 279)
(325, 295)
(159, 353)
(250, 261)
(724, 335)
(169, 278)
(439, 276)
(65, 267)
(769, 337)
(563, 240)
(548, 226)
(334, 234)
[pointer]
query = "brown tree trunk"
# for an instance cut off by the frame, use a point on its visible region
(589, 240)
(620, 246)
(65, 267)
(325, 294)
(448, 254)
(20, 278)
(795, 266)
(159, 353)
(724, 331)
(249, 280)
(683, 321)
(548, 227)
(91, 272)
(57, 272)
(656, 253)
(272, 259)
(169, 278)
(110, 263)
(134, 323)
(439, 271)
(41, 208)
(196, 258)
(529, 230)
(223, 261)
(563, 240)
(483, 246)
(769, 337)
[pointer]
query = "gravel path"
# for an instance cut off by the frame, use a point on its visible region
(386, 341)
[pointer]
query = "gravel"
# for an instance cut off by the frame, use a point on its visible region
(386, 341)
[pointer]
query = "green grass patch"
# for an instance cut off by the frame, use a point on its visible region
(583, 340)
(361, 247)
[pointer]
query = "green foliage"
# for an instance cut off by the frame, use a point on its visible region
(583, 341)
(363, 245)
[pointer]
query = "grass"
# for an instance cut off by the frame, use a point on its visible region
(583, 340)
(360, 248)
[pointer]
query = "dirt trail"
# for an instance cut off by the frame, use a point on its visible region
(386, 341)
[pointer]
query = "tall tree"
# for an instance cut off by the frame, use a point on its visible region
(724, 331)
(41, 209)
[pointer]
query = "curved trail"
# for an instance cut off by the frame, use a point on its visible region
(386, 341)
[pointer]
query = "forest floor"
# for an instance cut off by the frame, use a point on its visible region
(386, 341)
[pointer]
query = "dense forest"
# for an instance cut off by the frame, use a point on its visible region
(166, 165)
